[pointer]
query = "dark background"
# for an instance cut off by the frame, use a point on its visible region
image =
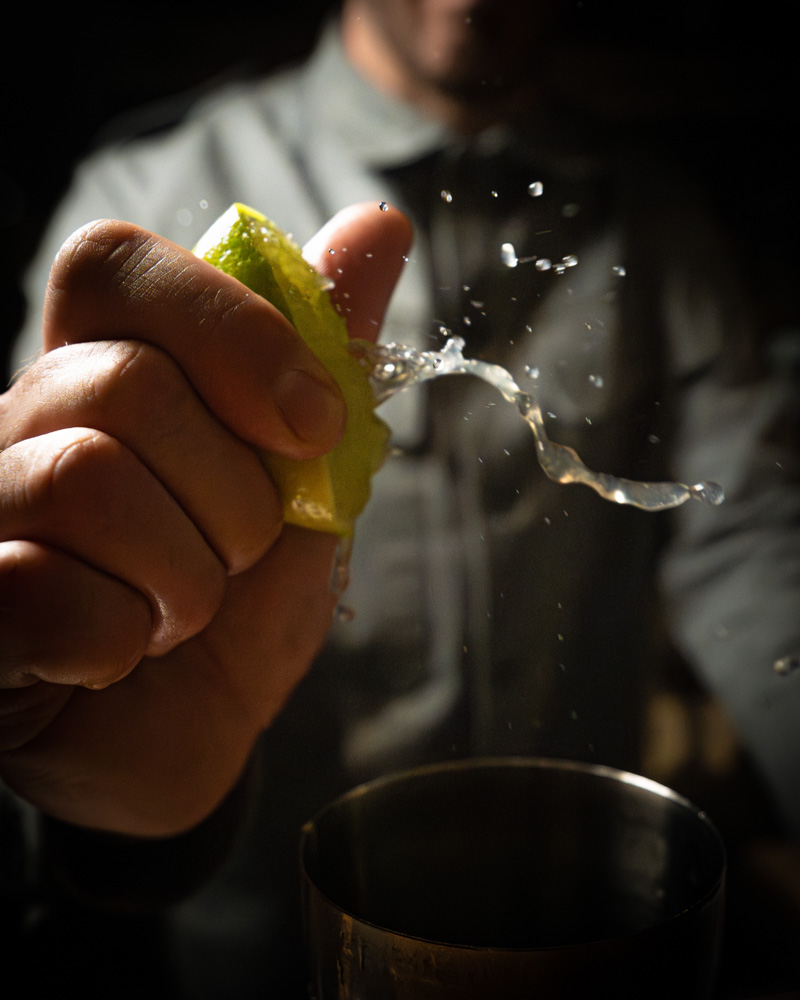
(713, 83)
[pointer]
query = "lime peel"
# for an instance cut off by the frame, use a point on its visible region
(326, 493)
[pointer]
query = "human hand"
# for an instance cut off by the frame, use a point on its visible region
(155, 613)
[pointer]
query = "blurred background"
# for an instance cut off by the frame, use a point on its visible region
(712, 84)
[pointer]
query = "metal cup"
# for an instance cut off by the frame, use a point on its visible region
(512, 878)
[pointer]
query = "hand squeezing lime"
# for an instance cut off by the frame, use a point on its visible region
(327, 493)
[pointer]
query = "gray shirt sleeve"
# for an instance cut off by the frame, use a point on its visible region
(731, 574)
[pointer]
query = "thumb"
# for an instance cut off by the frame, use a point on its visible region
(362, 249)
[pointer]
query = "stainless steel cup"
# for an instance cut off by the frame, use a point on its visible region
(512, 878)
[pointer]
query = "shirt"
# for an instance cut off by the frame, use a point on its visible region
(496, 611)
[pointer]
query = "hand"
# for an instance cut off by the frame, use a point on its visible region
(155, 613)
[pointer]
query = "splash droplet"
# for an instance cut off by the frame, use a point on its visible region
(383, 206)
(619, 270)
(786, 665)
(508, 255)
(446, 196)
(535, 189)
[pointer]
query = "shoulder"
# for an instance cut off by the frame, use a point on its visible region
(235, 144)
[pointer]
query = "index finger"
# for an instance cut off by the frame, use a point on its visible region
(113, 281)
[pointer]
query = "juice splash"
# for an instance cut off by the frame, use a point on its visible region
(392, 367)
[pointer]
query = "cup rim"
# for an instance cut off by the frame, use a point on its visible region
(603, 771)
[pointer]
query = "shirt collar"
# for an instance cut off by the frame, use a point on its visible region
(380, 130)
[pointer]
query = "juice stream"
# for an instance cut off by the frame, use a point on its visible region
(392, 367)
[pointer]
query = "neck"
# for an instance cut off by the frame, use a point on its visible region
(377, 60)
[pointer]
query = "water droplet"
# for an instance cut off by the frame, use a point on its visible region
(619, 270)
(446, 196)
(535, 189)
(597, 381)
(571, 260)
(494, 194)
(331, 250)
(543, 264)
(383, 206)
(203, 203)
(786, 665)
(711, 494)
(508, 255)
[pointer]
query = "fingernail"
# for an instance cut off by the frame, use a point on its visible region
(314, 410)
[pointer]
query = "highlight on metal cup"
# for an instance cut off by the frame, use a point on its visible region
(510, 878)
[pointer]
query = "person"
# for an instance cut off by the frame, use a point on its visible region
(494, 611)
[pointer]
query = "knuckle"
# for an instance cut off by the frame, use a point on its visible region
(37, 472)
(54, 483)
(101, 247)
(85, 456)
(106, 384)
(136, 377)
(189, 613)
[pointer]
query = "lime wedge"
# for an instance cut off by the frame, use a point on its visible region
(327, 493)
